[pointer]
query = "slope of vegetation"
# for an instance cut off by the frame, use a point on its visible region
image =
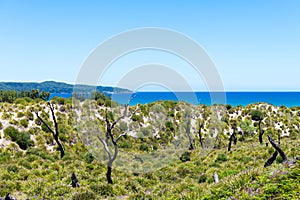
(31, 167)
(53, 87)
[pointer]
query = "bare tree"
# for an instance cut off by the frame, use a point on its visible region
(201, 125)
(261, 132)
(232, 138)
(110, 137)
(274, 155)
(55, 132)
(277, 148)
(188, 131)
(271, 159)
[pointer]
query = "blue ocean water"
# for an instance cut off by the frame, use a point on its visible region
(288, 99)
(64, 95)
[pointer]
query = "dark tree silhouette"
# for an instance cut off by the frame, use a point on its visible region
(271, 159)
(7, 197)
(201, 125)
(233, 139)
(55, 132)
(109, 137)
(75, 182)
(277, 150)
(257, 115)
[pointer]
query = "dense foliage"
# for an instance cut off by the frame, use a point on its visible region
(54, 87)
(12, 95)
(37, 172)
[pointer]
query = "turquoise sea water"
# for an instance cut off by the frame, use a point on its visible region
(288, 99)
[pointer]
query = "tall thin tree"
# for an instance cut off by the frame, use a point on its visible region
(55, 132)
(110, 137)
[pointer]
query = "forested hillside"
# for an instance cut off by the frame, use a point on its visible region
(53, 87)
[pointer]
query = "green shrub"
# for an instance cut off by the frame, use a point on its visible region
(1, 126)
(221, 158)
(88, 157)
(45, 129)
(12, 168)
(22, 139)
(256, 115)
(124, 144)
(24, 122)
(145, 147)
(102, 189)
(137, 118)
(20, 114)
(37, 122)
(29, 116)
(25, 163)
(4, 157)
(186, 156)
(40, 153)
(84, 195)
(14, 122)
(202, 178)
(11, 132)
(6, 116)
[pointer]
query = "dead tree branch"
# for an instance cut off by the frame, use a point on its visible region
(55, 132)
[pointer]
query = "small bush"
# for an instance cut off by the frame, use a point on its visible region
(14, 122)
(29, 116)
(221, 158)
(144, 147)
(102, 189)
(12, 168)
(25, 164)
(24, 122)
(88, 157)
(1, 126)
(202, 178)
(22, 139)
(84, 195)
(256, 115)
(186, 156)
(20, 114)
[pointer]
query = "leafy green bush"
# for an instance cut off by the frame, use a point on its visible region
(20, 114)
(88, 157)
(256, 115)
(84, 195)
(25, 164)
(24, 122)
(21, 138)
(145, 147)
(202, 178)
(221, 158)
(12, 168)
(186, 156)
(29, 116)
(13, 122)
(102, 189)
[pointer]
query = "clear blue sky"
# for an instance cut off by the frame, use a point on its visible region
(254, 44)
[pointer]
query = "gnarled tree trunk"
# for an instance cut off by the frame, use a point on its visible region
(109, 137)
(261, 132)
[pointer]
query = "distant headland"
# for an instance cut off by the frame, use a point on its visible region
(56, 87)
